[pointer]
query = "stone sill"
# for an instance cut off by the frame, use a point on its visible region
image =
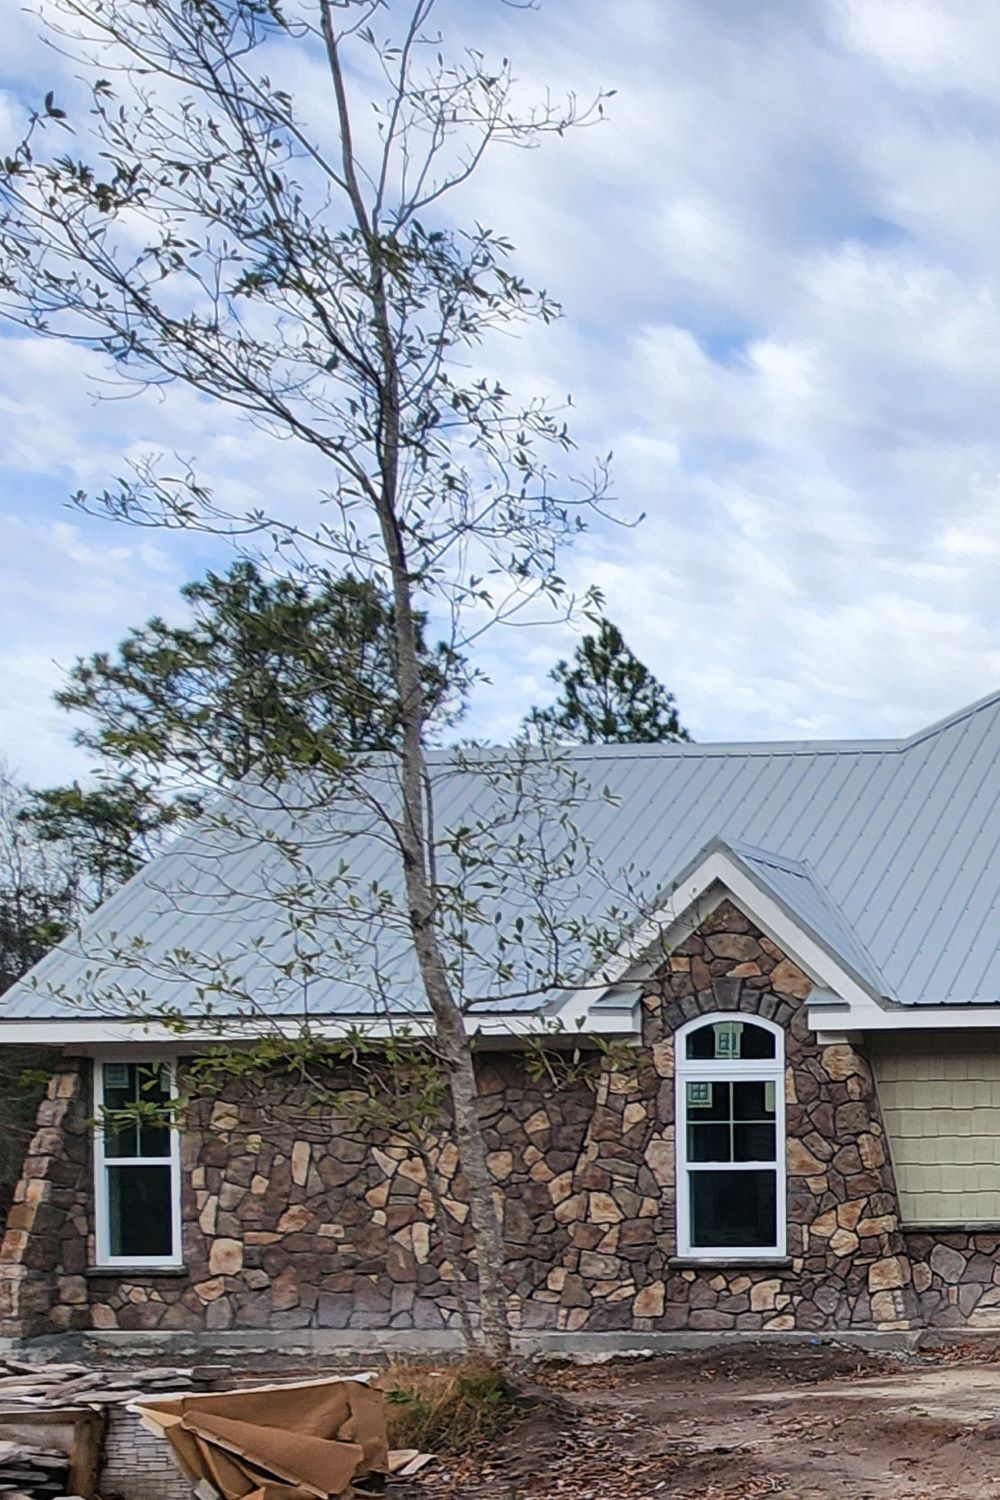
(720, 1263)
(133, 1273)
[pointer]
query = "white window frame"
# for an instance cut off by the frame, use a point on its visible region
(742, 1070)
(102, 1226)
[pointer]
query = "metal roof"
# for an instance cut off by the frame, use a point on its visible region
(887, 850)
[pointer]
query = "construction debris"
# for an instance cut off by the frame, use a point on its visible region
(308, 1440)
(52, 1421)
(72, 1384)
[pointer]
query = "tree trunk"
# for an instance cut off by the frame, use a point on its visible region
(417, 855)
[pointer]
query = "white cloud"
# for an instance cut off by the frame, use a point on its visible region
(779, 264)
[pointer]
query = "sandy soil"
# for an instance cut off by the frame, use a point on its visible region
(809, 1425)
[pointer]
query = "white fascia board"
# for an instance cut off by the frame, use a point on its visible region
(955, 1016)
(718, 876)
(110, 1033)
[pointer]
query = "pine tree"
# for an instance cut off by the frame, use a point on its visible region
(607, 696)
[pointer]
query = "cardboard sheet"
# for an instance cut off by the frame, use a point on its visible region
(306, 1441)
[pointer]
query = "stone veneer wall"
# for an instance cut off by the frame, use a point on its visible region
(956, 1277)
(292, 1222)
(42, 1288)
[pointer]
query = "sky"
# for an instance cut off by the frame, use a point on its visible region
(779, 260)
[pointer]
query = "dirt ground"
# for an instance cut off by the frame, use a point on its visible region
(814, 1424)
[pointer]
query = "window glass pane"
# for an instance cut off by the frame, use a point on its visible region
(753, 1101)
(126, 1084)
(709, 1101)
(709, 1142)
(140, 1221)
(733, 1209)
(732, 1041)
(753, 1142)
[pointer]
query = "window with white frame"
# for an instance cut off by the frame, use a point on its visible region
(730, 1138)
(136, 1166)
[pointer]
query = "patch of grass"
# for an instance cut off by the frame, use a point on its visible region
(446, 1409)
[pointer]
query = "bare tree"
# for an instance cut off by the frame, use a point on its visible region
(201, 227)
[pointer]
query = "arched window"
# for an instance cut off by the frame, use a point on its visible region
(730, 1138)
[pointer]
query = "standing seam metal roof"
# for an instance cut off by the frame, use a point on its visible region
(888, 848)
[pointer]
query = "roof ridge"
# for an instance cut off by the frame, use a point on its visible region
(989, 700)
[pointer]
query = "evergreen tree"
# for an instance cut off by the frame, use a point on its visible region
(271, 672)
(607, 696)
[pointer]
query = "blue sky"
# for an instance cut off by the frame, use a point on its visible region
(780, 264)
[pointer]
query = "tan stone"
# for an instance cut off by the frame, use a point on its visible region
(884, 1224)
(458, 1210)
(781, 1323)
(872, 1151)
(225, 1116)
(413, 1170)
(844, 1242)
(825, 1225)
(72, 1289)
(744, 971)
(560, 1187)
(648, 1208)
(840, 1061)
(603, 1209)
(447, 1163)
(885, 1274)
(225, 1257)
(501, 1164)
(571, 1209)
(659, 1156)
(849, 1214)
(386, 1163)
(102, 1316)
(294, 1218)
(421, 1242)
(208, 1291)
(573, 1319)
(261, 1237)
(885, 1307)
(635, 1114)
(301, 1155)
(538, 1122)
(663, 1058)
(36, 1190)
(378, 1196)
(208, 1215)
(739, 1285)
(556, 1279)
(788, 979)
(258, 1185)
(762, 1295)
(541, 1171)
(801, 1162)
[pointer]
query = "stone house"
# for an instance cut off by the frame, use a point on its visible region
(807, 1136)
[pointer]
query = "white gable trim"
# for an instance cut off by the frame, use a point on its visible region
(694, 898)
